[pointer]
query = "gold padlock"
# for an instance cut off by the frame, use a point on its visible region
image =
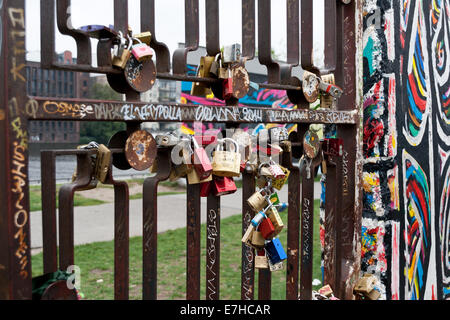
(257, 202)
(326, 100)
(122, 60)
(373, 295)
(227, 163)
(200, 89)
(186, 166)
(193, 178)
(365, 285)
(247, 238)
(261, 262)
(258, 240)
(102, 163)
(275, 218)
(144, 37)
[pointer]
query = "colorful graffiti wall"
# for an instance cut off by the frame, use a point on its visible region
(406, 215)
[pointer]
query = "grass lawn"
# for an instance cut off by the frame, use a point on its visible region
(97, 263)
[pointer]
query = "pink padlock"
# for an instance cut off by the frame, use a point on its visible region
(142, 52)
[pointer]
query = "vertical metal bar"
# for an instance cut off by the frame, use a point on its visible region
(15, 257)
(293, 32)
(49, 224)
(66, 232)
(148, 24)
(121, 240)
(213, 248)
(248, 29)
(307, 36)
(265, 41)
(191, 36)
(193, 242)
(330, 35)
(293, 232)
(150, 225)
(212, 27)
(248, 254)
(350, 208)
(330, 226)
(306, 262)
(48, 54)
(264, 284)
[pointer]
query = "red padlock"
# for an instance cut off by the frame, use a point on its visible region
(142, 52)
(266, 228)
(333, 147)
(223, 186)
(205, 140)
(205, 189)
(201, 161)
(228, 87)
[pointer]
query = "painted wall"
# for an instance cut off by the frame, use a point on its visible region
(406, 215)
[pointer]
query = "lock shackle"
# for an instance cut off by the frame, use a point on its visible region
(219, 60)
(130, 42)
(224, 141)
(262, 165)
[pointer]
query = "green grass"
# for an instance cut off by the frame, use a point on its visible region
(79, 201)
(97, 262)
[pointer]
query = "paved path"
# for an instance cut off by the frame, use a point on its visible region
(96, 223)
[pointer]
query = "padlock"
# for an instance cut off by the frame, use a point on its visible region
(247, 238)
(267, 228)
(275, 251)
(257, 202)
(276, 171)
(206, 140)
(215, 66)
(201, 161)
(227, 163)
(141, 51)
(275, 266)
(185, 166)
(103, 163)
(140, 75)
(373, 295)
(200, 89)
(231, 54)
(122, 54)
(278, 135)
(258, 218)
(228, 86)
(194, 178)
(167, 140)
(279, 183)
(258, 240)
(275, 218)
(311, 144)
(143, 37)
(326, 291)
(333, 147)
(365, 284)
(261, 262)
(205, 189)
(223, 186)
(282, 207)
(327, 101)
(310, 86)
(274, 199)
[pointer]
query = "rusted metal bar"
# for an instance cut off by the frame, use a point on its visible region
(265, 42)
(212, 27)
(64, 22)
(94, 110)
(330, 226)
(150, 225)
(264, 284)
(248, 254)
(193, 242)
(248, 29)
(66, 209)
(293, 227)
(307, 36)
(349, 209)
(148, 23)
(191, 23)
(330, 36)
(49, 223)
(48, 54)
(213, 248)
(307, 233)
(15, 257)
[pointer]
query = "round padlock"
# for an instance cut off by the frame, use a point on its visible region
(140, 76)
(140, 150)
(118, 141)
(311, 144)
(310, 87)
(297, 97)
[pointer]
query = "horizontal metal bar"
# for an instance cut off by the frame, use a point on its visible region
(38, 108)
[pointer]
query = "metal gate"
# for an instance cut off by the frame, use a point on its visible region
(343, 192)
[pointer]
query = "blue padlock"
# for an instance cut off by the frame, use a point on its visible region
(282, 207)
(258, 219)
(275, 251)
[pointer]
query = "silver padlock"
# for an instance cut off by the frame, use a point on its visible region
(232, 53)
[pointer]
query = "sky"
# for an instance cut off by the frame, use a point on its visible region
(169, 23)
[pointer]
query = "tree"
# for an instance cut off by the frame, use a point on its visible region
(100, 132)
